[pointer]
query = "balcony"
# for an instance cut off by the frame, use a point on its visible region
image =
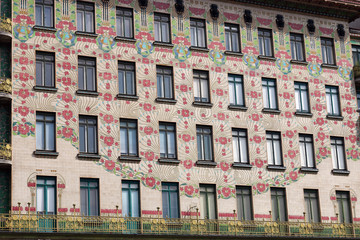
(5, 153)
(5, 85)
(5, 29)
(16, 224)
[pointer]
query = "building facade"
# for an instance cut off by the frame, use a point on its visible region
(212, 111)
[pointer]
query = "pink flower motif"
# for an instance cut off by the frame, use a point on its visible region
(222, 140)
(264, 21)
(150, 181)
(24, 76)
(24, 129)
(67, 114)
(224, 166)
(66, 51)
(221, 116)
(289, 133)
(320, 121)
(321, 136)
(161, 5)
(260, 187)
(286, 95)
(253, 94)
(108, 118)
(226, 192)
(295, 26)
(107, 97)
(67, 132)
(293, 175)
(24, 111)
(109, 141)
(186, 137)
(147, 107)
(231, 16)
(107, 76)
(24, 93)
(197, 11)
(146, 83)
(189, 190)
(149, 156)
(188, 164)
(291, 154)
(317, 93)
(288, 114)
(219, 92)
(183, 88)
(66, 97)
(259, 163)
(323, 151)
(109, 165)
(257, 139)
(318, 107)
(23, 46)
(354, 154)
(255, 117)
(66, 65)
(185, 113)
(23, 60)
(66, 81)
(352, 138)
(148, 130)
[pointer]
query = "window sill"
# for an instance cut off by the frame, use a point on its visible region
(166, 100)
(45, 89)
(45, 153)
(88, 156)
(127, 97)
(206, 163)
(266, 58)
(340, 172)
(169, 160)
(334, 117)
(129, 159)
(241, 165)
(239, 54)
(299, 62)
(273, 111)
(275, 167)
(237, 107)
(87, 93)
(133, 40)
(202, 104)
(86, 34)
(329, 66)
(200, 49)
(42, 28)
(163, 44)
(309, 170)
(304, 114)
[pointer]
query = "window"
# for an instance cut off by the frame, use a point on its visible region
(356, 54)
(127, 83)
(306, 151)
(124, 22)
(207, 202)
(45, 70)
(297, 47)
(312, 205)
(240, 148)
(358, 100)
(45, 131)
(167, 140)
(274, 151)
(88, 134)
(244, 203)
(87, 74)
(164, 82)
(44, 12)
(201, 86)
(130, 199)
(327, 49)
(170, 199)
(338, 153)
(232, 37)
(128, 138)
(302, 97)
(278, 204)
(204, 143)
(269, 93)
(332, 100)
(85, 17)
(265, 42)
(236, 90)
(89, 197)
(344, 206)
(46, 195)
(197, 30)
(162, 27)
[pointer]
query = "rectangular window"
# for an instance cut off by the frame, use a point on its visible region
(87, 74)
(302, 97)
(232, 37)
(44, 12)
(130, 199)
(269, 93)
(85, 17)
(88, 134)
(236, 90)
(45, 131)
(201, 86)
(358, 100)
(240, 146)
(312, 205)
(164, 77)
(128, 138)
(306, 151)
(162, 27)
(45, 69)
(327, 49)
(167, 140)
(197, 31)
(46, 195)
(297, 47)
(333, 100)
(244, 203)
(204, 143)
(278, 204)
(207, 201)
(89, 197)
(126, 71)
(338, 153)
(265, 42)
(344, 206)
(274, 151)
(124, 22)
(356, 54)
(170, 199)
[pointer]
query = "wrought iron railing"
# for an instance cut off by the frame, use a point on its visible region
(5, 24)
(5, 85)
(5, 151)
(17, 222)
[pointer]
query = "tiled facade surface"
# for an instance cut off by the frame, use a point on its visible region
(68, 105)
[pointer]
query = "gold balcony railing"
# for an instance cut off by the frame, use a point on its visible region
(5, 151)
(5, 85)
(5, 24)
(157, 225)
